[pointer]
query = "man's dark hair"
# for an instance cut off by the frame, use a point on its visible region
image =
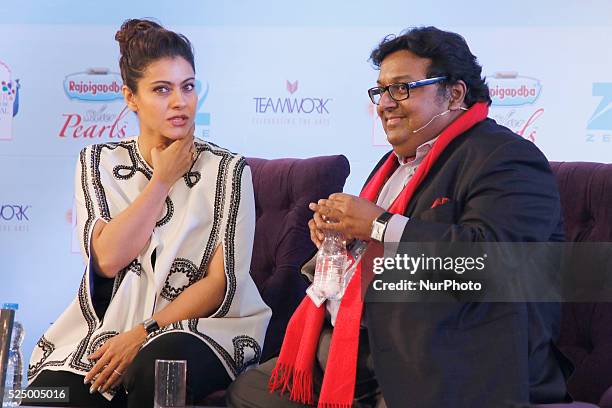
(449, 54)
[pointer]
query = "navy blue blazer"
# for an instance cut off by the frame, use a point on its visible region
(500, 188)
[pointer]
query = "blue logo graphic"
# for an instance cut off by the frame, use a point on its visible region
(16, 101)
(93, 85)
(202, 118)
(602, 117)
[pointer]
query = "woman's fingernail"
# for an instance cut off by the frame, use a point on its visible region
(92, 389)
(85, 380)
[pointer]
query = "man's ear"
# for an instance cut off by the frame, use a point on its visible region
(130, 98)
(457, 92)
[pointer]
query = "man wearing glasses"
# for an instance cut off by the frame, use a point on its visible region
(453, 175)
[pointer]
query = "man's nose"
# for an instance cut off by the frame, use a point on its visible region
(386, 101)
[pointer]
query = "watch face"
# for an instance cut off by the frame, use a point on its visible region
(377, 231)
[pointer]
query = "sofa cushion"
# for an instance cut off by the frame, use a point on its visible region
(586, 200)
(283, 190)
(586, 328)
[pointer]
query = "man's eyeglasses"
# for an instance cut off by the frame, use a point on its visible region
(400, 91)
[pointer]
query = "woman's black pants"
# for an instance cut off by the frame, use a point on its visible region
(205, 374)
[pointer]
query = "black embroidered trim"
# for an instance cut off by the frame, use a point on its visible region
(144, 166)
(134, 266)
(169, 213)
(117, 172)
(240, 343)
(137, 164)
(191, 178)
(76, 357)
(183, 266)
(217, 149)
(96, 151)
(117, 281)
(193, 326)
(47, 348)
(99, 340)
(90, 317)
(213, 239)
(88, 204)
(229, 238)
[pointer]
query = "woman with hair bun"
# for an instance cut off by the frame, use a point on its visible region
(166, 224)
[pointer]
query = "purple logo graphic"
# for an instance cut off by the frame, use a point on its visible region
(292, 86)
(14, 212)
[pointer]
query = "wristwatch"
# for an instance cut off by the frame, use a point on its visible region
(379, 226)
(150, 325)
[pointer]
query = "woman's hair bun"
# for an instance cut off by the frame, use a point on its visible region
(131, 28)
(141, 42)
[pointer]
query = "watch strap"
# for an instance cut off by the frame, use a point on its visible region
(150, 325)
(379, 226)
(384, 217)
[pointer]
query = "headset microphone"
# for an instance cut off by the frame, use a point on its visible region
(437, 116)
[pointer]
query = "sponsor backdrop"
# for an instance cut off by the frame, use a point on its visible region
(274, 80)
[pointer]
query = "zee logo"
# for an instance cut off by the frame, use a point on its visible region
(14, 212)
(602, 117)
(202, 118)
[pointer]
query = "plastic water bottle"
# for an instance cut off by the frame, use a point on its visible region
(14, 366)
(329, 270)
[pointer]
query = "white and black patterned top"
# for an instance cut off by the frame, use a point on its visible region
(213, 204)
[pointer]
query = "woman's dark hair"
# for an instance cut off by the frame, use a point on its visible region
(144, 41)
(449, 54)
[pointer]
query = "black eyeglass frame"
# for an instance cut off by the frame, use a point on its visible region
(409, 85)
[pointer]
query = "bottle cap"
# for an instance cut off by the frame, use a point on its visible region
(12, 306)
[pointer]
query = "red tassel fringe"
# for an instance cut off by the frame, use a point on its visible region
(298, 383)
(279, 378)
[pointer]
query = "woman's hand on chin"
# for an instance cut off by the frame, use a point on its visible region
(171, 162)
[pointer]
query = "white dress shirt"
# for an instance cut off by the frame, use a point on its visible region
(395, 227)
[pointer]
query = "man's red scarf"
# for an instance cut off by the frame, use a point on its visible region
(293, 371)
